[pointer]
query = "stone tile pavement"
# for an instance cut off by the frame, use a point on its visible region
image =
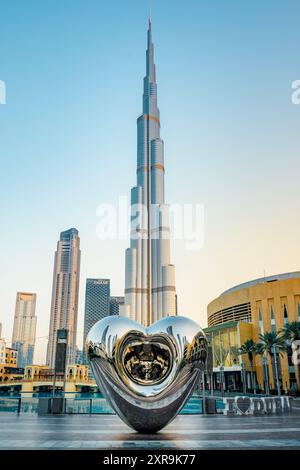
(185, 432)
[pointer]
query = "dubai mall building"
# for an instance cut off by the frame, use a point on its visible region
(244, 312)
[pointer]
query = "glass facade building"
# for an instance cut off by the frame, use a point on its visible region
(24, 329)
(114, 306)
(228, 365)
(97, 305)
(64, 303)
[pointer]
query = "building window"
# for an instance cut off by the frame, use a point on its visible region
(285, 315)
(260, 322)
(273, 323)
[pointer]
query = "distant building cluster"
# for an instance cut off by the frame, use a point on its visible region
(9, 370)
(15, 360)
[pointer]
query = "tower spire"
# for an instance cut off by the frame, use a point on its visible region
(150, 66)
(149, 14)
(150, 45)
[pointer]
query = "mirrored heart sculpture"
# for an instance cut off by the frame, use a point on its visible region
(147, 373)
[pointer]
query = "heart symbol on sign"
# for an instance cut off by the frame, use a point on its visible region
(243, 404)
(146, 374)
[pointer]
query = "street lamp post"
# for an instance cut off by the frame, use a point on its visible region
(221, 380)
(243, 377)
(203, 393)
(211, 385)
(53, 385)
(254, 381)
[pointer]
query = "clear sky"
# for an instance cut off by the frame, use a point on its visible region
(73, 72)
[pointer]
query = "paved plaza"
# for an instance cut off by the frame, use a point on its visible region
(185, 432)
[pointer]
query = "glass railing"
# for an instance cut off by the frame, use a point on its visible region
(28, 405)
(78, 404)
(9, 404)
(87, 406)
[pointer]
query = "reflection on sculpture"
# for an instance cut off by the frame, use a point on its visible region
(147, 374)
(147, 363)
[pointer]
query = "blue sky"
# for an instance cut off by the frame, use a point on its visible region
(73, 72)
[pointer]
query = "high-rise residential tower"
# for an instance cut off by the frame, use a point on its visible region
(64, 303)
(149, 278)
(23, 338)
(97, 305)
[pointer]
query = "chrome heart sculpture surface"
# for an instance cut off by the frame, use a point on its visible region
(146, 374)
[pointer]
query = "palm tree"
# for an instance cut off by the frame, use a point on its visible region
(270, 341)
(249, 347)
(259, 351)
(291, 333)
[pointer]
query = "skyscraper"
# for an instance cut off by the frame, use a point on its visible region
(64, 303)
(23, 338)
(149, 276)
(97, 305)
(2, 351)
(115, 303)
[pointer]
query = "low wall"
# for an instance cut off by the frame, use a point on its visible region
(244, 405)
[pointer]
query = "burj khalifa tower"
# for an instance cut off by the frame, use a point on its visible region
(150, 292)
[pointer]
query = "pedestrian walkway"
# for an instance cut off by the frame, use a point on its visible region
(185, 432)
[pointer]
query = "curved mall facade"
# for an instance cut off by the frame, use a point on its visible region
(243, 312)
